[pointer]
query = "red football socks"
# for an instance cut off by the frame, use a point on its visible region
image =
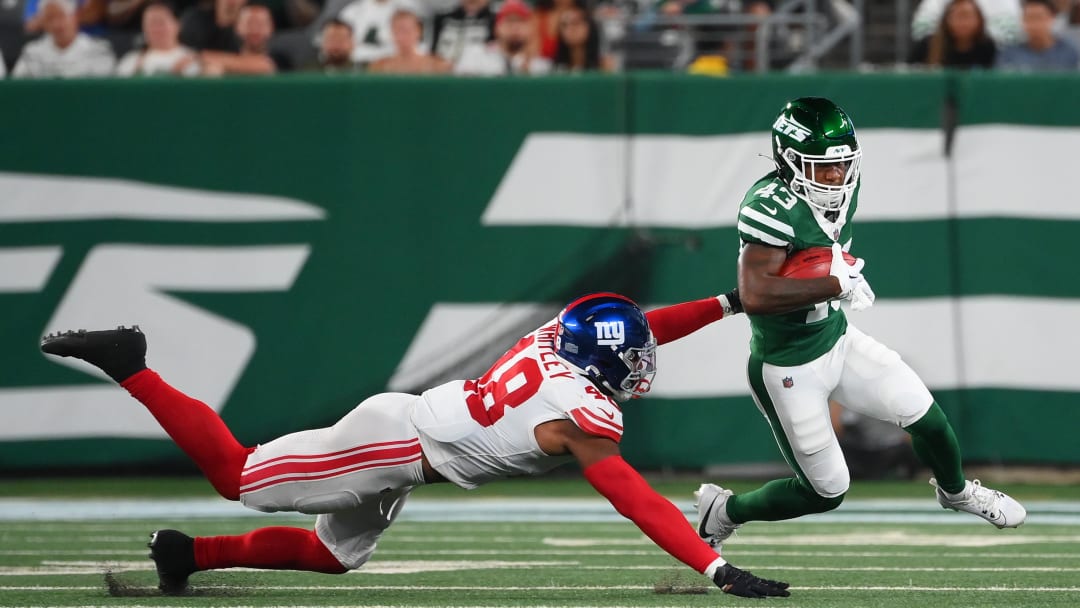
(196, 428)
(274, 548)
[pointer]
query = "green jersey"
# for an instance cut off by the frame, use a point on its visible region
(771, 215)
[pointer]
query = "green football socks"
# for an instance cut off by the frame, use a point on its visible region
(936, 446)
(778, 499)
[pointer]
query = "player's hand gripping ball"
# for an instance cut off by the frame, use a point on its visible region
(812, 263)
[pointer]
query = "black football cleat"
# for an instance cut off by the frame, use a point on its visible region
(173, 553)
(120, 352)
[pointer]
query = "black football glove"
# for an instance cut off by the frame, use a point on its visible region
(744, 584)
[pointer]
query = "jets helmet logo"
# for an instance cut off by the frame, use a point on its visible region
(791, 128)
(610, 333)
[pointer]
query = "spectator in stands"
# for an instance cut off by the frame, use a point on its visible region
(124, 14)
(548, 14)
(578, 48)
(961, 40)
(64, 51)
(514, 50)
(254, 27)
(471, 24)
(1002, 19)
(370, 21)
(406, 28)
(336, 48)
(89, 14)
(163, 53)
(212, 27)
(1043, 50)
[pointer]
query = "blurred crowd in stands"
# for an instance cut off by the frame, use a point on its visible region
(187, 38)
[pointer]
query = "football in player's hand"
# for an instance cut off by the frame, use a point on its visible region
(811, 263)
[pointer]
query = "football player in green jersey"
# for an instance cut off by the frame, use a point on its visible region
(803, 351)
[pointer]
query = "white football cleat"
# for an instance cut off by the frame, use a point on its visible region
(995, 507)
(713, 523)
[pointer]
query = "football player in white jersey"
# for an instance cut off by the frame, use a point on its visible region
(550, 399)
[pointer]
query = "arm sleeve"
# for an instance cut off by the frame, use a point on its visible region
(680, 320)
(660, 520)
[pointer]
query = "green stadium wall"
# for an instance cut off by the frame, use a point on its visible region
(293, 245)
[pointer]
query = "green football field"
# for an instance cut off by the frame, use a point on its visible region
(543, 544)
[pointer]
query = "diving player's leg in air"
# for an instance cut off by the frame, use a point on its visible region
(203, 436)
(192, 425)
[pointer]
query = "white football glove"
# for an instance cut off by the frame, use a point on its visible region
(862, 297)
(848, 275)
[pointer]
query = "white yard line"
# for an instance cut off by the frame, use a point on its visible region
(481, 510)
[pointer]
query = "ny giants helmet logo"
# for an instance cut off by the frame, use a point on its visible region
(791, 128)
(610, 333)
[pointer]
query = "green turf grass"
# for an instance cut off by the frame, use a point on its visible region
(422, 564)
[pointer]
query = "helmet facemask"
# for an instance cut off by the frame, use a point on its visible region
(641, 363)
(606, 338)
(822, 196)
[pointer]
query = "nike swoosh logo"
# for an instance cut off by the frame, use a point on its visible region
(610, 415)
(705, 520)
(769, 209)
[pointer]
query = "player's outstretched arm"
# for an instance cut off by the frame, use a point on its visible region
(677, 321)
(660, 520)
(763, 292)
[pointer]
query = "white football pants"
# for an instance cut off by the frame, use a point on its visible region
(860, 373)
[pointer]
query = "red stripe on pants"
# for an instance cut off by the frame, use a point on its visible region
(294, 471)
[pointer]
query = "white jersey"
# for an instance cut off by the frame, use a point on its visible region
(85, 56)
(476, 431)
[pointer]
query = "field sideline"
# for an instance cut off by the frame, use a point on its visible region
(567, 549)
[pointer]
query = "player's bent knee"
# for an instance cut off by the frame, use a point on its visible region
(833, 486)
(355, 560)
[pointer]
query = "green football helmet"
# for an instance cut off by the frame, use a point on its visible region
(812, 133)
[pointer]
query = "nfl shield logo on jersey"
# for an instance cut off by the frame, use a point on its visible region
(788, 382)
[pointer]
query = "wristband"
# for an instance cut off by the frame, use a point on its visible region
(730, 302)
